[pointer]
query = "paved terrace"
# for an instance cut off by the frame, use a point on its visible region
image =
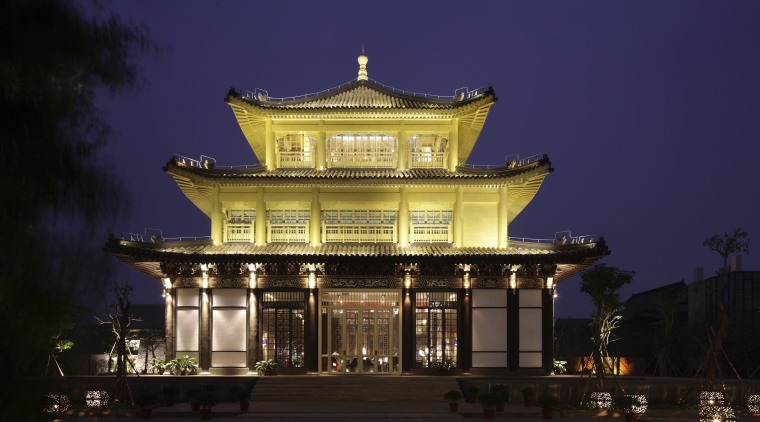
(365, 411)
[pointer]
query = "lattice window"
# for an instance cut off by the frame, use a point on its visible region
(431, 226)
(282, 337)
(359, 225)
(239, 225)
(363, 151)
(427, 151)
(295, 151)
(435, 328)
(290, 226)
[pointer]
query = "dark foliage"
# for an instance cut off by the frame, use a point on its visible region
(53, 60)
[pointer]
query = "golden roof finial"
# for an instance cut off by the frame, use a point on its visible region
(362, 67)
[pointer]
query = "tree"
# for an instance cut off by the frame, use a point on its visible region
(53, 60)
(601, 283)
(725, 246)
(151, 339)
(120, 320)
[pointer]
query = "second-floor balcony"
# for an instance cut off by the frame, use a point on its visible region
(298, 159)
(426, 160)
(359, 233)
(288, 233)
(360, 159)
(431, 233)
(239, 232)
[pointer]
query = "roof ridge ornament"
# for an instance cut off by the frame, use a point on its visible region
(362, 67)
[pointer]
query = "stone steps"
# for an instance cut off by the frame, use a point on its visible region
(346, 388)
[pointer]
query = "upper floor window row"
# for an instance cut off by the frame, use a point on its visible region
(296, 150)
(427, 151)
(362, 151)
(340, 225)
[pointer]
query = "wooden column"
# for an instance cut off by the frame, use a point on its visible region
(169, 314)
(513, 330)
(454, 145)
(547, 327)
(407, 332)
(403, 218)
(464, 346)
(217, 217)
(204, 358)
(321, 164)
(252, 340)
(311, 351)
(261, 219)
(315, 233)
(402, 151)
(270, 145)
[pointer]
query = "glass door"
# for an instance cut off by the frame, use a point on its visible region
(360, 338)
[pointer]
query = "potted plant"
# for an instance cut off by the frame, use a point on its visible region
(266, 367)
(488, 401)
(548, 403)
(502, 391)
(169, 393)
(158, 365)
(207, 399)
(628, 405)
(472, 394)
(443, 367)
(242, 395)
(192, 395)
(184, 365)
(146, 402)
(453, 397)
(529, 394)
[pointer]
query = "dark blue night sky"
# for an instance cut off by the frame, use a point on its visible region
(649, 110)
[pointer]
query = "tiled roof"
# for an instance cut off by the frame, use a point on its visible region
(178, 249)
(360, 95)
(462, 173)
(147, 257)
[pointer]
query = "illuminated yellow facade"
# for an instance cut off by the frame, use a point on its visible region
(363, 242)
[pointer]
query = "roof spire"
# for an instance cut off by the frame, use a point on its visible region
(362, 67)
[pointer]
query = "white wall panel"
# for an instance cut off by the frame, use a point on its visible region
(228, 329)
(228, 359)
(187, 297)
(530, 329)
(494, 298)
(187, 329)
(489, 360)
(229, 297)
(530, 298)
(489, 329)
(530, 360)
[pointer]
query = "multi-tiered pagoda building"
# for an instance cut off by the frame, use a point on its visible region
(362, 243)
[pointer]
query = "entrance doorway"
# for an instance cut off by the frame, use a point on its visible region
(360, 332)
